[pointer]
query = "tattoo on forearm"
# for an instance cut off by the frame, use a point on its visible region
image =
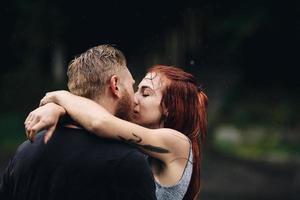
(136, 140)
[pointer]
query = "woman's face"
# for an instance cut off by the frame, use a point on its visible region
(147, 99)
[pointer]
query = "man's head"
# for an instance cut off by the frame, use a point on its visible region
(101, 73)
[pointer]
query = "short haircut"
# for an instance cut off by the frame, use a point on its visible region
(88, 74)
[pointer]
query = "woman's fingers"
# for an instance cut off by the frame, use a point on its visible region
(51, 97)
(44, 100)
(32, 131)
(48, 98)
(49, 134)
(31, 121)
(44, 117)
(30, 136)
(29, 127)
(28, 119)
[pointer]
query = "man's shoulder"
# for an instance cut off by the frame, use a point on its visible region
(74, 146)
(91, 142)
(29, 146)
(67, 139)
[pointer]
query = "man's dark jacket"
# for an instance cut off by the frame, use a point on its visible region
(76, 164)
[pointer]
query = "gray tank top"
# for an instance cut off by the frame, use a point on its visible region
(177, 191)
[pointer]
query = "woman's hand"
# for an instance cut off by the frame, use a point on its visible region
(44, 117)
(53, 97)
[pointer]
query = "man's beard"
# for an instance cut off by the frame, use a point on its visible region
(125, 107)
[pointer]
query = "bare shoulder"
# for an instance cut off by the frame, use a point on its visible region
(171, 134)
(176, 141)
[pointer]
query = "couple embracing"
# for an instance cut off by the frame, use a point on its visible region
(101, 140)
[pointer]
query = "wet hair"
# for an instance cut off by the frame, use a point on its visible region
(186, 106)
(89, 73)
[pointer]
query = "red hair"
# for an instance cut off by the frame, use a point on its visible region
(186, 107)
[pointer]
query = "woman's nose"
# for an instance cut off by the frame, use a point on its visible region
(135, 99)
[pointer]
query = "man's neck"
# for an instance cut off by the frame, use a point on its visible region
(108, 104)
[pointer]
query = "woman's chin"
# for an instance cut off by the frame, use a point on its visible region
(134, 119)
(137, 121)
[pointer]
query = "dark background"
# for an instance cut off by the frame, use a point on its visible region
(244, 53)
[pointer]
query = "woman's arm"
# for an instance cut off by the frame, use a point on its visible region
(163, 144)
(44, 117)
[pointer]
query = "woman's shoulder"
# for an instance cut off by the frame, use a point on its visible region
(174, 139)
(172, 134)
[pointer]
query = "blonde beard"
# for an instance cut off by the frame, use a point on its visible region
(124, 108)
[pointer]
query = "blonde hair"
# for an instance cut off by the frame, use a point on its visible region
(89, 73)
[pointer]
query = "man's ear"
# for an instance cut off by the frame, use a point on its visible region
(114, 84)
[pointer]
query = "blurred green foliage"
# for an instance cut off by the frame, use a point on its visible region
(12, 131)
(256, 143)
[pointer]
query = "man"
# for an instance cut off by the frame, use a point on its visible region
(75, 164)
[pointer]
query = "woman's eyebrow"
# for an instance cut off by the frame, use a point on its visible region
(146, 87)
(151, 78)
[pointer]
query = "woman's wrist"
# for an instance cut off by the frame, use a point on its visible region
(62, 111)
(58, 109)
(59, 96)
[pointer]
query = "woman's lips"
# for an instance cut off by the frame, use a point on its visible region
(135, 113)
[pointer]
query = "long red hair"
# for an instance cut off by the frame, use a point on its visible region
(186, 105)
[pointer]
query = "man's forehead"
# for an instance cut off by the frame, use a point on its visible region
(130, 75)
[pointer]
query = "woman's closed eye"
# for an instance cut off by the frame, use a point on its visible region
(147, 92)
(144, 94)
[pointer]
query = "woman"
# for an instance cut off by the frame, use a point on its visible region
(173, 110)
